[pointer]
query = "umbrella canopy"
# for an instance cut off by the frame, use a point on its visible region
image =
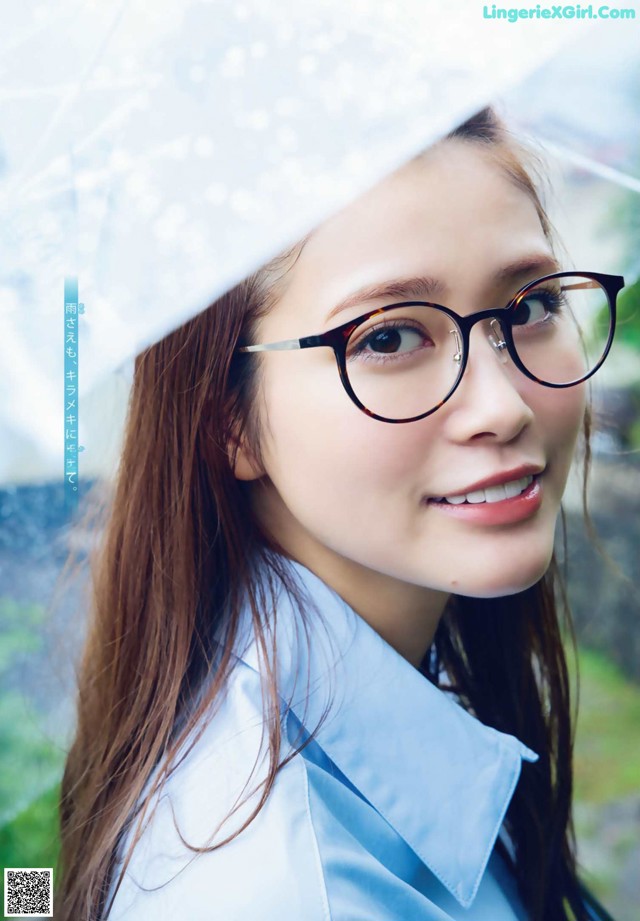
(158, 158)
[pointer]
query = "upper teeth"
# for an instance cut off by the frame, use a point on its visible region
(492, 493)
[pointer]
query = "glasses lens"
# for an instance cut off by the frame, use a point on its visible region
(405, 361)
(561, 328)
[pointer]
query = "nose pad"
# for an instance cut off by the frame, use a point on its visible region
(496, 338)
(458, 354)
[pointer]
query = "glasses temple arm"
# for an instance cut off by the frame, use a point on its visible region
(307, 342)
(285, 345)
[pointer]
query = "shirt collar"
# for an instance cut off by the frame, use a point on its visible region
(439, 776)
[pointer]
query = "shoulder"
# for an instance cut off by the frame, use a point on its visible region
(270, 870)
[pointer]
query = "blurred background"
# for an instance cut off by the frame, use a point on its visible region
(588, 117)
(582, 112)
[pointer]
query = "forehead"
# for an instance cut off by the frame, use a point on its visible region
(454, 214)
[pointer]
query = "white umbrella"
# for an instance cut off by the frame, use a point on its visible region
(160, 157)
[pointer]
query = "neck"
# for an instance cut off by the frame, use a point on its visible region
(405, 615)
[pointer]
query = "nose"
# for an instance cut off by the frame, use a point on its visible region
(489, 400)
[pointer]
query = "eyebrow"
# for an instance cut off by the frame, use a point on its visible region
(425, 286)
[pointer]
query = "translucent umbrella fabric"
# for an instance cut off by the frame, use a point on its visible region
(160, 156)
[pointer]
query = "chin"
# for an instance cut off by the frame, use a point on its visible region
(504, 583)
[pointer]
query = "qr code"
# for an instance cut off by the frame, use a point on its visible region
(28, 891)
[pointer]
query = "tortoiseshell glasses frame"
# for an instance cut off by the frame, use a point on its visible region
(338, 338)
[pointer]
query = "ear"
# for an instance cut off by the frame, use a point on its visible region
(245, 466)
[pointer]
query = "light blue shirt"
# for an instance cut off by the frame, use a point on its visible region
(391, 814)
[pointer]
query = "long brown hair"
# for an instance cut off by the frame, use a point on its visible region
(178, 549)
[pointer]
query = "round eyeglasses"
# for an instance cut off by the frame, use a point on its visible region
(402, 362)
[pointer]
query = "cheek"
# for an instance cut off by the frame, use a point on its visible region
(317, 435)
(560, 416)
(566, 409)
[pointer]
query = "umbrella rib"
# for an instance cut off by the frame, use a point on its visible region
(588, 163)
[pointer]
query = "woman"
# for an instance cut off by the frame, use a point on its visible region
(325, 675)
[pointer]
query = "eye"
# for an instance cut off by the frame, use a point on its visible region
(393, 339)
(397, 337)
(539, 306)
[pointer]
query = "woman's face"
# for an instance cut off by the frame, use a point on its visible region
(348, 495)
